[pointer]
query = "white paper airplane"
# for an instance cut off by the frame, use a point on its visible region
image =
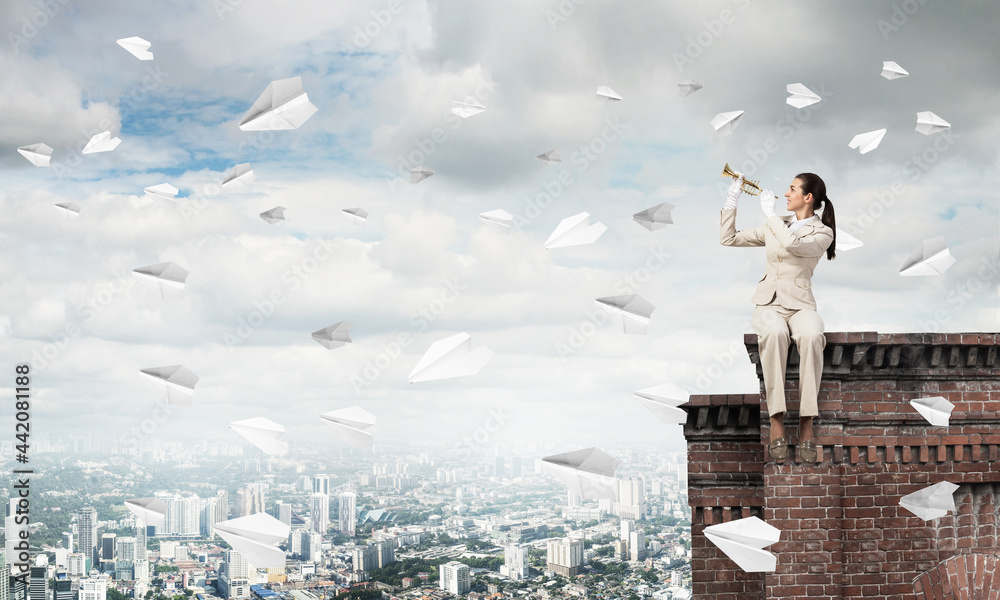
(38, 154)
(69, 209)
(932, 257)
(254, 537)
(263, 433)
(928, 123)
(241, 176)
(137, 47)
(663, 400)
(725, 123)
(936, 409)
(451, 357)
(498, 219)
(686, 88)
(550, 157)
(655, 217)
(467, 108)
(892, 70)
(174, 384)
(744, 540)
(630, 312)
(334, 336)
(357, 215)
(575, 231)
(282, 105)
(102, 142)
(931, 502)
(274, 215)
(166, 279)
(355, 424)
(846, 241)
(419, 174)
(801, 96)
(588, 473)
(150, 511)
(866, 142)
(163, 191)
(607, 93)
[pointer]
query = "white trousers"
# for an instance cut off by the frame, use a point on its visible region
(775, 327)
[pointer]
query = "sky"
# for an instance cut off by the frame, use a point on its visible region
(383, 76)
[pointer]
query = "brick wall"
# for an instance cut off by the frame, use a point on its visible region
(844, 534)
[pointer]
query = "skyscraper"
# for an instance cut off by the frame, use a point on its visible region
(67, 540)
(182, 516)
(515, 559)
(63, 586)
(321, 484)
(319, 511)
(631, 504)
(283, 511)
(107, 551)
(347, 521)
(250, 499)
(565, 556)
(39, 586)
(455, 578)
(12, 533)
(86, 526)
(637, 545)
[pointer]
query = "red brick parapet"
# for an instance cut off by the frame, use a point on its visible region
(844, 534)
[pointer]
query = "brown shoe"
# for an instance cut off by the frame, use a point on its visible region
(807, 450)
(778, 449)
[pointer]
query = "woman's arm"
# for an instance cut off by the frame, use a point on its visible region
(809, 246)
(728, 235)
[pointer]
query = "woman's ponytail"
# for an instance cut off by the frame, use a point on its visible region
(813, 184)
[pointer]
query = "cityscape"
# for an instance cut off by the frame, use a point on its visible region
(399, 522)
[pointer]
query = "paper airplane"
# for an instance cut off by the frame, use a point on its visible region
(241, 176)
(892, 70)
(498, 219)
(630, 312)
(656, 217)
(846, 241)
(801, 96)
(69, 209)
(932, 257)
(137, 47)
(686, 88)
(163, 191)
(282, 105)
(166, 279)
(254, 537)
(931, 502)
(334, 336)
(607, 93)
(588, 473)
(150, 511)
(274, 215)
(354, 424)
(102, 142)
(419, 174)
(358, 215)
(38, 154)
(467, 108)
(575, 231)
(550, 157)
(928, 123)
(451, 357)
(725, 123)
(866, 142)
(174, 384)
(936, 409)
(263, 433)
(663, 400)
(743, 541)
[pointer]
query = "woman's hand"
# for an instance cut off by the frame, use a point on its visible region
(735, 189)
(767, 200)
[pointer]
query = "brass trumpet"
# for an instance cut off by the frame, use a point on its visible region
(749, 187)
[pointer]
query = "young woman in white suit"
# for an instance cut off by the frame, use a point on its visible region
(786, 309)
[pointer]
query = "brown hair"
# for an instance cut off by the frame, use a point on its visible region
(813, 184)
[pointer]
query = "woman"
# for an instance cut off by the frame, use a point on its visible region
(786, 308)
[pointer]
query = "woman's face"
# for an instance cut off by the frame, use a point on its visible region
(795, 198)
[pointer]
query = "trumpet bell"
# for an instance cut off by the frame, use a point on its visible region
(749, 187)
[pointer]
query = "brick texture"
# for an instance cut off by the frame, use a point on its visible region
(843, 533)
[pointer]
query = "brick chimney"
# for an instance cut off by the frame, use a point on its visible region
(843, 533)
